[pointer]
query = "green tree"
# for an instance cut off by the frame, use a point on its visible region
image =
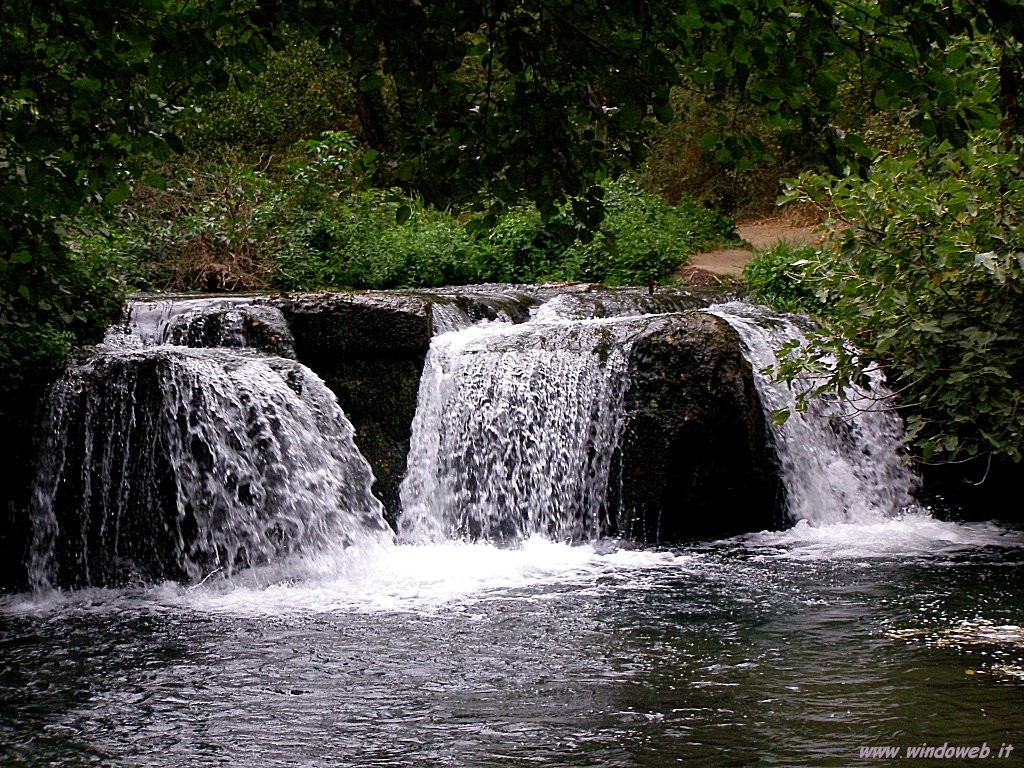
(88, 91)
(925, 275)
(538, 98)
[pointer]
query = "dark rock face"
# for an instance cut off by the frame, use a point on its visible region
(695, 459)
(369, 350)
(327, 326)
(21, 428)
(133, 537)
(974, 490)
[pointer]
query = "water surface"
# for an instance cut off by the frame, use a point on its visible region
(793, 648)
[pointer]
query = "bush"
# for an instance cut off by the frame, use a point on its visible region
(308, 223)
(522, 248)
(355, 241)
(926, 277)
(50, 300)
(642, 239)
(784, 278)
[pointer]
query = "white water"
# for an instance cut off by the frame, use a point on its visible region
(514, 431)
(513, 442)
(234, 322)
(225, 458)
(378, 578)
(842, 461)
(149, 321)
(914, 534)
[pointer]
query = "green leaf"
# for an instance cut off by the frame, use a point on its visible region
(87, 84)
(371, 83)
(403, 214)
(117, 195)
(663, 112)
(174, 142)
(708, 140)
(155, 180)
(629, 116)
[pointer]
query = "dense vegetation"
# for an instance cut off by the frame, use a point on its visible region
(309, 223)
(924, 274)
(225, 145)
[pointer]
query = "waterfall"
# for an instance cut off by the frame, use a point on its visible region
(168, 461)
(842, 460)
(514, 431)
(517, 428)
(190, 443)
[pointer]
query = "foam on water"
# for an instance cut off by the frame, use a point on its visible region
(378, 578)
(420, 578)
(913, 534)
(371, 578)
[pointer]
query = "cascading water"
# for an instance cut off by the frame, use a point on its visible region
(234, 322)
(802, 647)
(167, 461)
(515, 429)
(842, 460)
(190, 460)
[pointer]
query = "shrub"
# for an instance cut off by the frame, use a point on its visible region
(355, 241)
(60, 299)
(307, 224)
(521, 248)
(784, 278)
(926, 277)
(642, 239)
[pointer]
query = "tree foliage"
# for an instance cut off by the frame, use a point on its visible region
(88, 93)
(543, 98)
(925, 276)
(534, 98)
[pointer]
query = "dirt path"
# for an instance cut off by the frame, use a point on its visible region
(760, 234)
